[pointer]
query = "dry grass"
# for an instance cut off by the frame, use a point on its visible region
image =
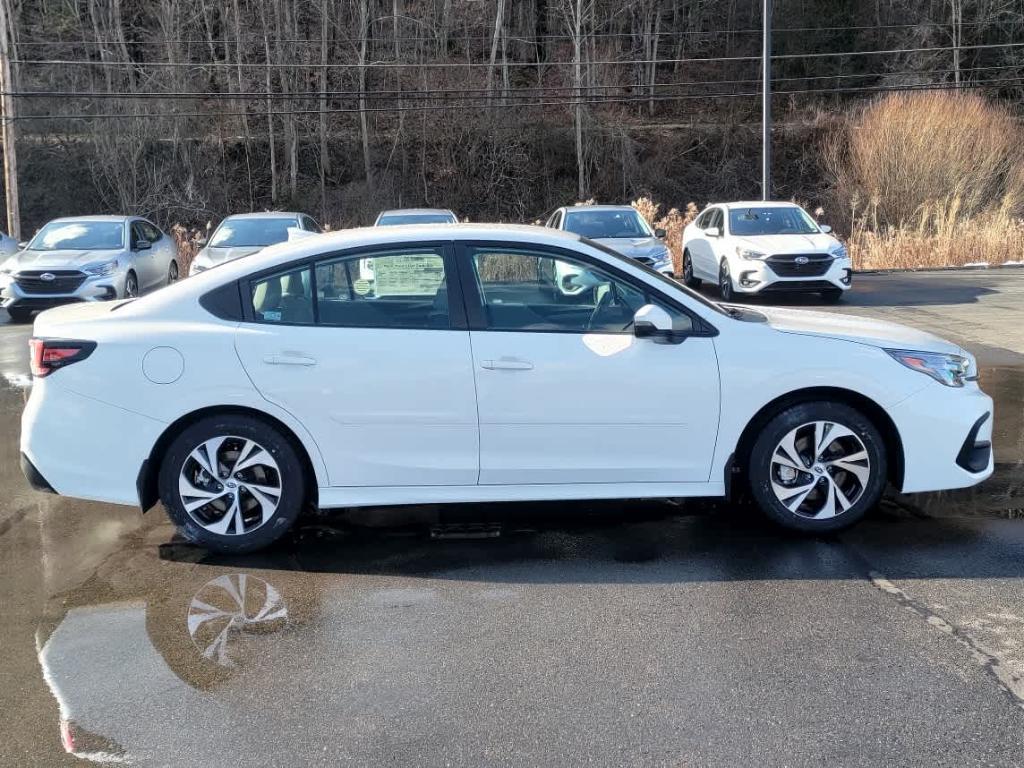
(673, 222)
(187, 239)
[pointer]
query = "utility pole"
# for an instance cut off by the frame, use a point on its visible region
(766, 101)
(7, 116)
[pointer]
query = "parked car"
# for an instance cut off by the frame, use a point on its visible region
(459, 373)
(87, 258)
(621, 228)
(243, 234)
(759, 247)
(415, 216)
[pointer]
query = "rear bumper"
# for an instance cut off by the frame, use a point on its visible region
(947, 438)
(69, 455)
(34, 477)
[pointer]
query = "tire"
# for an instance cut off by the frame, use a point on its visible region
(688, 279)
(131, 286)
(273, 467)
(172, 272)
(725, 289)
(19, 314)
(855, 488)
(832, 295)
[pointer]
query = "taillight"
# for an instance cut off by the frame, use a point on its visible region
(50, 354)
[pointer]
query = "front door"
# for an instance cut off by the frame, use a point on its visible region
(566, 393)
(363, 350)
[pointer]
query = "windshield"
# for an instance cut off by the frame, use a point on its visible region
(234, 233)
(392, 219)
(598, 224)
(775, 220)
(79, 236)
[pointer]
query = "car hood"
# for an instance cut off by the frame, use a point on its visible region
(634, 247)
(770, 244)
(877, 333)
(60, 259)
(212, 255)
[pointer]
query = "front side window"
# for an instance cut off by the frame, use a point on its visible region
(405, 289)
(284, 298)
(79, 236)
(242, 233)
(771, 220)
(151, 232)
(527, 291)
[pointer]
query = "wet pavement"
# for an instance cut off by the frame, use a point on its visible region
(640, 633)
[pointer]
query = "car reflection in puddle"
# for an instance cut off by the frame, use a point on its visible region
(121, 671)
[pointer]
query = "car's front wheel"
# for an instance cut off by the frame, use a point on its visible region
(131, 286)
(688, 279)
(725, 289)
(818, 466)
(172, 272)
(232, 483)
(19, 314)
(832, 295)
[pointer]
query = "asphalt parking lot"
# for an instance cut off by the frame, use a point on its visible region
(584, 634)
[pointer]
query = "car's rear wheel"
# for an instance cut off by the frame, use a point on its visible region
(725, 289)
(688, 279)
(818, 466)
(19, 314)
(232, 483)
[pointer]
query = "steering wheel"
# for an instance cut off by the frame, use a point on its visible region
(612, 299)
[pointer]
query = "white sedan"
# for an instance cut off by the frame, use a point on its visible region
(459, 372)
(758, 247)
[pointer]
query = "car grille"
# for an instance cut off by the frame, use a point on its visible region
(786, 265)
(62, 281)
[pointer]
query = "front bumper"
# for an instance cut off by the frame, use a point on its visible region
(947, 435)
(756, 276)
(92, 288)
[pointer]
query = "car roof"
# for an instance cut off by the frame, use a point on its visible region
(406, 211)
(265, 215)
(97, 217)
(584, 207)
(755, 204)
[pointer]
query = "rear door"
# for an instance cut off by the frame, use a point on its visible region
(703, 248)
(566, 393)
(369, 350)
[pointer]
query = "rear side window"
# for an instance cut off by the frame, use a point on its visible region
(284, 298)
(406, 289)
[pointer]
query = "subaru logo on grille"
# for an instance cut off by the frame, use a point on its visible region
(801, 260)
(48, 277)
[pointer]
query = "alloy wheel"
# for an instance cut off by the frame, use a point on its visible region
(724, 283)
(820, 470)
(687, 268)
(172, 273)
(230, 485)
(229, 605)
(131, 286)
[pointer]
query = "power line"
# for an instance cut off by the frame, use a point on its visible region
(517, 64)
(522, 92)
(492, 105)
(487, 37)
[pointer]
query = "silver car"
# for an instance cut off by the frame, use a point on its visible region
(243, 234)
(87, 258)
(415, 216)
(619, 227)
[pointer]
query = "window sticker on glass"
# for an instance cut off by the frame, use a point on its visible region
(274, 317)
(407, 275)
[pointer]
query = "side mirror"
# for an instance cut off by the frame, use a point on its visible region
(653, 322)
(23, 245)
(660, 233)
(141, 245)
(200, 241)
(713, 232)
(825, 228)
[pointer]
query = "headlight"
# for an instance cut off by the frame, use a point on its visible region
(101, 270)
(839, 252)
(661, 257)
(951, 370)
(747, 253)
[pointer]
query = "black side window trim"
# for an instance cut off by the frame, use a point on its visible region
(477, 315)
(456, 303)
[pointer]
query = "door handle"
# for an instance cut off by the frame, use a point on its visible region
(507, 364)
(288, 359)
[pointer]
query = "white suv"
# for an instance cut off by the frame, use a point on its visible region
(756, 247)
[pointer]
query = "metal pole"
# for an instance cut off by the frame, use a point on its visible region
(766, 101)
(7, 115)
